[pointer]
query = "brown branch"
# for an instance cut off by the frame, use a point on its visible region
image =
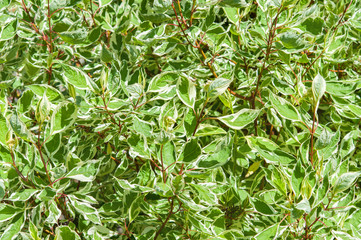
(92, 14)
(180, 25)
(271, 36)
(192, 12)
(44, 163)
(199, 119)
(334, 31)
(166, 220)
(161, 161)
(181, 14)
(18, 171)
(26, 10)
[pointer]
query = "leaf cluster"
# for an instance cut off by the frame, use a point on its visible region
(180, 119)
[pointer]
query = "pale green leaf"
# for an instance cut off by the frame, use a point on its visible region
(85, 173)
(20, 128)
(345, 181)
(134, 209)
(7, 212)
(240, 119)
(304, 205)
(86, 210)
(284, 108)
(63, 117)
(22, 195)
(318, 89)
(186, 91)
(78, 78)
(65, 233)
(218, 87)
(3, 129)
(13, 227)
(34, 231)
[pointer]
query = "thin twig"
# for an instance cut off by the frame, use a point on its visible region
(166, 220)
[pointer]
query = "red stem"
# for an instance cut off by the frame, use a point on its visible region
(166, 220)
(271, 35)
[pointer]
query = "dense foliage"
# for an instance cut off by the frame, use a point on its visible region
(180, 119)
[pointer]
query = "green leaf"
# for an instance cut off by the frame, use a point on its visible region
(215, 160)
(65, 233)
(25, 101)
(324, 139)
(232, 14)
(54, 213)
(39, 89)
(313, 25)
(78, 78)
(283, 86)
(322, 190)
(74, 37)
(278, 181)
(284, 108)
(270, 150)
(3, 129)
(7, 212)
(318, 89)
(9, 31)
(20, 128)
(42, 109)
(168, 153)
(23, 195)
(285, 57)
(4, 3)
(297, 178)
(124, 184)
(186, 91)
(86, 210)
(164, 190)
(263, 207)
(347, 145)
(13, 227)
(218, 87)
(253, 168)
(5, 155)
(46, 194)
(292, 40)
(205, 194)
(208, 130)
(138, 146)
(191, 151)
(268, 233)
(34, 231)
(142, 127)
(93, 35)
(240, 119)
(85, 173)
(105, 55)
(2, 188)
(340, 88)
(234, 3)
(63, 117)
(134, 209)
(190, 122)
(162, 82)
(345, 181)
(355, 110)
(304, 205)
